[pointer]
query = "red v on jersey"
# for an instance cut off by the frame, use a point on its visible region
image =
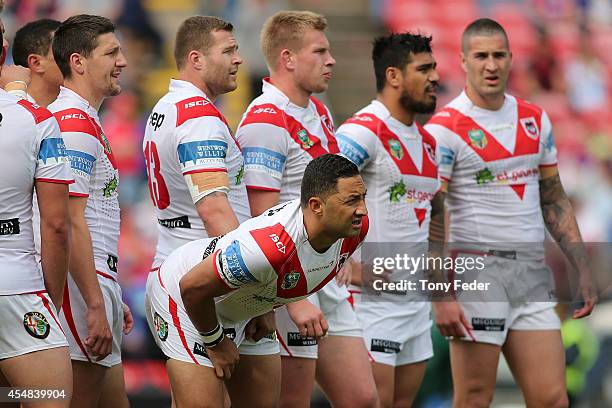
(420, 214)
(519, 189)
(271, 114)
(396, 149)
(327, 125)
(486, 146)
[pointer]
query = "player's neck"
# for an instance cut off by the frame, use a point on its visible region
(196, 81)
(395, 108)
(42, 92)
(287, 85)
(492, 102)
(319, 241)
(82, 88)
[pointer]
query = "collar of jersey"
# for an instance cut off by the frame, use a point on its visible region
(466, 104)
(73, 96)
(282, 100)
(408, 132)
(178, 85)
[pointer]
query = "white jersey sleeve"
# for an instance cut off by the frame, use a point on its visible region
(83, 150)
(265, 148)
(53, 164)
(549, 150)
(357, 143)
(202, 147)
(243, 263)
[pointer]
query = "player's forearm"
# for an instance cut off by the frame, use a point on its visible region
(82, 267)
(217, 214)
(560, 220)
(437, 233)
(437, 227)
(200, 306)
(55, 253)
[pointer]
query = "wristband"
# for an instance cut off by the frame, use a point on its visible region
(213, 337)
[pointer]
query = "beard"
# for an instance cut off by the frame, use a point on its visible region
(413, 105)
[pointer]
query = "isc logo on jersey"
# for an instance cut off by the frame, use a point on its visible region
(282, 248)
(79, 116)
(363, 118)
(193, 104)
(265, 110)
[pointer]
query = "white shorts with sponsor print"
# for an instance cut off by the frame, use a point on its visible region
(340, 316)
(28, 323)
(520, 296)
(74, 320)
(395, 333)
(178, 338)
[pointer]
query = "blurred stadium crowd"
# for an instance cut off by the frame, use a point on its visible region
(562, 62)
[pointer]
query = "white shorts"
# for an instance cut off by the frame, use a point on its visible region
(269, 345)
(395, 333)
(491, 320)
(340, 316)
(177, 337)
(73, 317)
(520, 297)
(28, 323)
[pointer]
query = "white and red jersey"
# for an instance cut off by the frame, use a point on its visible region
(95, 173)
(398, 165)
(279, 139)
(491, 161)
(186, 134)
(267, 262)
(31, 149)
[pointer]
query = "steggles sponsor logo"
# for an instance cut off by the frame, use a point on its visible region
(485, 175)
(398, 191)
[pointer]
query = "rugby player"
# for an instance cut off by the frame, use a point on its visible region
(280, 133)
(32, 49)
(397, 160)
(195, 167)
(216, 285)
(90, 59)
(34, 352)
(499, 167)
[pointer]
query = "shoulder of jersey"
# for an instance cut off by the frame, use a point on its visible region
(529, 106)
(195, 107)
(275, 229)
(366, 119)
(75, 120)
(39, 113)
(263, 110)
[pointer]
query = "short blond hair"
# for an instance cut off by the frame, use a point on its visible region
(195, 33)
(285, 29)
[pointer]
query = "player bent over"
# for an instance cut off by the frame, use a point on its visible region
(222, 285)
